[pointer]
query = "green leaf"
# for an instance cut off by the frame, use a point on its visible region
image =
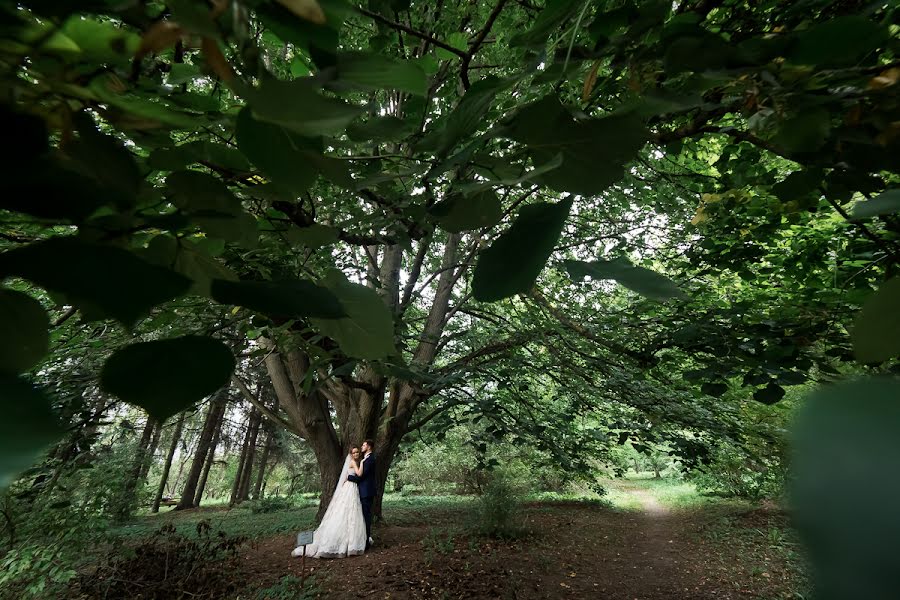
(298, 107)
(594, 151)
(515, 259)
(702, 52)
(101, 41)
(28, 427)
(637, 279)
(844, 438)
(107, 160)
(199, 152)
(885, 203)
(458, 40)
(555, 12)
(196, 191)
(110, 280)
(876, 331)
(298, 298)
(839, 42)
(468, 116)
(165, 377)
(280, 154)
(382, 129)
(714, 389)
(192, 262)
(770, 394)
(368, 71)
(24, 324)
(805, 131)
(314, 236)
(460, 212)
(368, 330)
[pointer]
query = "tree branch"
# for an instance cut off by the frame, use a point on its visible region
(409, 30)
(245, 391)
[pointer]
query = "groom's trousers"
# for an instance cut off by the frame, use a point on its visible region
(367, 516)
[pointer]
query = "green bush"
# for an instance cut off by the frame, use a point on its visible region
(269, 504)
(731, 473)
(498, 510)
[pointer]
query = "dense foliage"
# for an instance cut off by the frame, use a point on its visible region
(572, 226)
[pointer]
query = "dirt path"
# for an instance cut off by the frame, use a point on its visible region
(575, 551)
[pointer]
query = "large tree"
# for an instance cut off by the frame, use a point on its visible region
(360, 182)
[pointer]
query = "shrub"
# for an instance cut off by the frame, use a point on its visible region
(168, 565)
(732, 473)
(288, 588)
(499, 508)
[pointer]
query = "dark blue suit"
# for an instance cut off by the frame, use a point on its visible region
(367, 491)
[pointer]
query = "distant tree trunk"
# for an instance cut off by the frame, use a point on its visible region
(129, 491)
(151, 450)
(176, 438)
(261, 475)
(238, 477)
(201, 452)
(220, 417)
(244, 490)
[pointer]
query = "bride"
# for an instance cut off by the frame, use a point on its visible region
(342, 531)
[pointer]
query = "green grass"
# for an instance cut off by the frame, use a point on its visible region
(236, 521)
(674, 494)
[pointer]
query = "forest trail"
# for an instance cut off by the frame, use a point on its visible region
(574, 551)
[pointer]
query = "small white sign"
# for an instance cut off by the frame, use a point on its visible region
(304, 538)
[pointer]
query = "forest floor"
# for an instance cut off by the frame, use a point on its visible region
(656, 540)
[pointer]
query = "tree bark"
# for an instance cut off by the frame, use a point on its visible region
(167, 466)
(133, 480)
(238, 477)
(151, 451)
(261, 474)
(201, 452)
(247, 475)
(201, 486)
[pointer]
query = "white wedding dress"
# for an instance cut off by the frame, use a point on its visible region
(342, 531)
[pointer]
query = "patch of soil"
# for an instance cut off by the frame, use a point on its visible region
(575, 551)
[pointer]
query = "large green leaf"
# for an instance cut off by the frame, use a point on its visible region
(314, 236)
(107, 160)
(109, 280)
(165, 377)
(594, 151)
(844, 439)
(554, 13)
(196, 191)
(876, 331)
(885, 203)
(297, 298)
(367, 71)
(297, 106)
(24, 324)
(637, 279)
(466, 117)
(515, 259)
(28, 426)
(383, 129)
(367, 332)
(462, 212)
(838, 42)
(202, 152)
(281, 155)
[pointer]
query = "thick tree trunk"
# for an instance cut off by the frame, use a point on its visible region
(202, 451)
(167, 466)
(201, 486)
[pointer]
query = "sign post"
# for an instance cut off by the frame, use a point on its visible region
(304, 538)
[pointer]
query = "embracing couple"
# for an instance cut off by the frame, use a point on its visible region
(346, 528)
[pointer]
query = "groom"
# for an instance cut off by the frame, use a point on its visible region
(366, 483)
